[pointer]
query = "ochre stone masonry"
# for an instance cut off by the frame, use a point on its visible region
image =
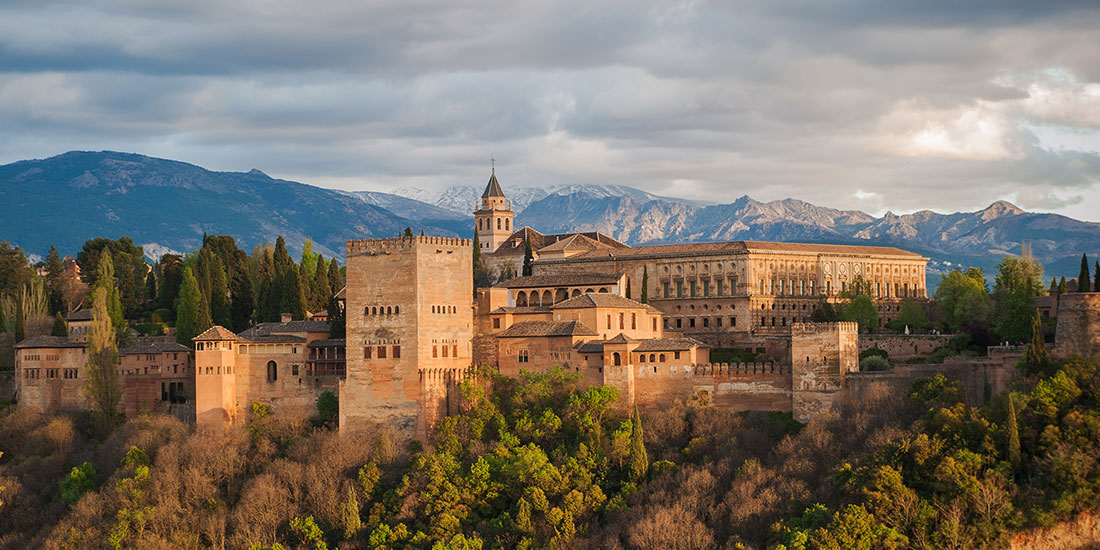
(409, 331)
(1078, 328)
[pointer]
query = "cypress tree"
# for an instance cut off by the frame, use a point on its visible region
(243, 295)
(628, 288)
(102, 386)
(1062, 286)
(321, 290)
(645, 284)
(55, 269)
(1036, 355)
(309, 262)
(528, 257)
(105, 279)
(408, 232)
(59, 327)
(335, 281)
(337, 320)
(151, 286)
(220, 308)
(1096, 275)
(1013, 434)
(1084, 279)
(189, 309)
(639, 459)
(205, 319)
(477, 250)
(1053, 285)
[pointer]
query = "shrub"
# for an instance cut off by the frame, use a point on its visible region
(874, 363)
(874, 352)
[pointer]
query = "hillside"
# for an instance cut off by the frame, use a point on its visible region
(168, 205)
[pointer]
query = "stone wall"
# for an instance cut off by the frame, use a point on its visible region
(1078, 328)
(903, 346)
(822, 355)
(761, 386)
(975, 374)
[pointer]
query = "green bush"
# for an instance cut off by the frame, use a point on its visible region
(163, 315)
(874, 352)
(874, 363)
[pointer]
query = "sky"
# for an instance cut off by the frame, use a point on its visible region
(880, 106)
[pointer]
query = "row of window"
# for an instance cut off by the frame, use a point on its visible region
(679, 323)
(693, 287)
(445, 309)
(453, 349)
(382, 310)
(215, 370)
(633, 321)
(380, 352)
(484, 224)
(36, 374)
(267, 349)
(212, 346)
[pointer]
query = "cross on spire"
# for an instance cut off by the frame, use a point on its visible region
(493, 163)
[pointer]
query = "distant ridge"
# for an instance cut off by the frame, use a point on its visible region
(168, 205)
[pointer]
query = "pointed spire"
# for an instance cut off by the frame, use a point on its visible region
(493, 189)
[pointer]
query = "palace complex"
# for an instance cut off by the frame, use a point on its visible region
(659, 323)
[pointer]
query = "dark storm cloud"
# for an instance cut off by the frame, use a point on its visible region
(876, 105)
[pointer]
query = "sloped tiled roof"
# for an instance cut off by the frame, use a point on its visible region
(153, 348)
(493, 188)
(328, 343)
(342, 294)
(672, 250)
(48, 342)
(527, 309)
(267, 329)
(273, 339)
(514, 244)
(567, 279)
(80, 315)
(599, 299)
(548, 328)
(216, 332)
(670, 344)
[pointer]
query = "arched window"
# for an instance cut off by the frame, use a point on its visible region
(617, 359)
(662, 357)
(272, 371)
(389, 310)
(507, 226)
(374, 311)
(366, 310)
(651, 358)
(498, 223)
(547, 298)
(396, 310)
(521, 299)
(576, 292)
(641, 358)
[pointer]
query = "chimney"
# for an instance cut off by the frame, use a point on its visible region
(284, 317)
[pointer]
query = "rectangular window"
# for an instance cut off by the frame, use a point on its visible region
(665, 286)
(692, 285)
(609, 321)
(720, 287)
(654, 324)
(679, 289)
(397, 352)
(496, 323)
(435, 351)
(706, 287)
(679, 323)
(718, 321)
(293, 370)
(445, 351)
(381, 352)
(521, 356)
(633, 321)
(733, 321)
(367, 352)
(454, 350)
(691, 322)
(706, 322)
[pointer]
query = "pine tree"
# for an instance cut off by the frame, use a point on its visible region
(639, 459)
(59, 327)
(645, 284)
(189, 310)
(102, 386)
(528, 257)
(220, 308)
(1084, 279)
(1013, 434)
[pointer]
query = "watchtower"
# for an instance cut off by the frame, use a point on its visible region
(409, 331)
(495, 216)
(215, 377)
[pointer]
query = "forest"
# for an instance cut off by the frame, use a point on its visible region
(544, 462)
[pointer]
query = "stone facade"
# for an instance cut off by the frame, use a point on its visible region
(1078, 328)
(410, 330)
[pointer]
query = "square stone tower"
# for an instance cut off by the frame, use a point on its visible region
(215, 377)
(821, 354)
(409, 331)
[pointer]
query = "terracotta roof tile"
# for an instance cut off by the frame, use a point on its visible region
(216, 332)
(569, 279)
(49, 342)
(547, 328)
(593, 299)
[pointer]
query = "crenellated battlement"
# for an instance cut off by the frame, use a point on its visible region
(402, 244)
(817, 328)
(727, 369)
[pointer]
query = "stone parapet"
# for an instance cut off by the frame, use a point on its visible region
(382, 246)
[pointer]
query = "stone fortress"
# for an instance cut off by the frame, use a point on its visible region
(642, 319)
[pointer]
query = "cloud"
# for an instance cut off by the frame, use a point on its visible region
(899, 105)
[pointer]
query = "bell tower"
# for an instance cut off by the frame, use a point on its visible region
(494, 217)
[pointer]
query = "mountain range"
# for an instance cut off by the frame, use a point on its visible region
(168, 205)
